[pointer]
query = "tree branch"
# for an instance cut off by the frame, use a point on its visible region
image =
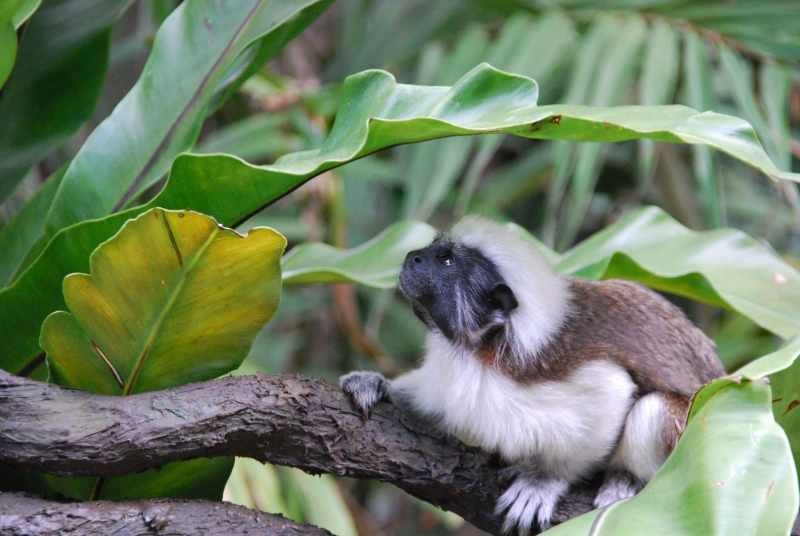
(21, 514)
(283, 419)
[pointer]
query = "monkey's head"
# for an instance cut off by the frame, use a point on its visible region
(481, 282)
(454, 288)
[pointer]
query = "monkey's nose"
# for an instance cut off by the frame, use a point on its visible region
(415, 260)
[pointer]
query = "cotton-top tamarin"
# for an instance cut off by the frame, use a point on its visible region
(560, 376)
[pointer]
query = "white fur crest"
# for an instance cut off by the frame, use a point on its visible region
(568, 427)
(543, 297)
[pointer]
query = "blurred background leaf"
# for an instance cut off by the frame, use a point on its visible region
(291, 492)
(63, 58)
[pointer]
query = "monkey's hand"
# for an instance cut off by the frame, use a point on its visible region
(530, 496)
(365, 389)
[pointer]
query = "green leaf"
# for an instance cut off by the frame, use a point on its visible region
(657, 82)
(19, 235)
(611, 80)
(597, 38)
(375, 263)
(173, 298)
(375, 113)
(8, 37)
(731, 473)
(25, 9)
(726, 267)
(783, 370)
(258, 138)
(323, 503)
(774, 87)
(769, 27)
(193, 55)
(257, 485)
(678, 124)
(786, 398)
(530, 48)
(8, 49)
(61, 65)
(777, 361)
(203, 478)
(740, 82)
(699, 94)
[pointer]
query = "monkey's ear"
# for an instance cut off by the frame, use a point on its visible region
(504, 298)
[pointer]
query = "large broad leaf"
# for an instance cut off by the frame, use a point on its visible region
(726, 267)
(173, 298)
(203, 478)
(27, 225)
(375, 263)
(8, 48)
(731, 473)
(8, 36)
(678, 124)
(198, 49)
(60, 68)
(783, 370)
(375, 113)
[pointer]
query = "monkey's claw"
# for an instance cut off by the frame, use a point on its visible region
(365, 389)
(530, 497)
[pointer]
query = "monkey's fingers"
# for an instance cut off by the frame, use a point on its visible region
(365, 389)
(529, 498)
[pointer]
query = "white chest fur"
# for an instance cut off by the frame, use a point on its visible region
(568, 427)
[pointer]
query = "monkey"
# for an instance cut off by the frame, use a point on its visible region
(560, 376)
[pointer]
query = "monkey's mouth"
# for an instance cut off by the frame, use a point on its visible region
(414, 292)
(408, 286)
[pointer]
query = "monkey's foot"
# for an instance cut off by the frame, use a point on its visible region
(617, 485)
(529, 497)
(365, 389)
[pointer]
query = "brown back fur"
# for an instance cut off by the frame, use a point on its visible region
(625, 323)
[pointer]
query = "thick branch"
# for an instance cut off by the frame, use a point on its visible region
(24, 515)
(283, 419)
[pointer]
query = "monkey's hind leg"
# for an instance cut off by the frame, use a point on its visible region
(652, 428)
(531, 496)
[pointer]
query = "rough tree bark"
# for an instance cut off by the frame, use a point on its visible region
(22, 514)
(283, 419)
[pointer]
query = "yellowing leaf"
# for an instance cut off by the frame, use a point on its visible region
(172, 298)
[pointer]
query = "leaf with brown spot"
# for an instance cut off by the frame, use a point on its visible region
(793, 404)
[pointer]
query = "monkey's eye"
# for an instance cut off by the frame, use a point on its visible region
(446, 259)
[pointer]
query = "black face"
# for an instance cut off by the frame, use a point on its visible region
(457, 290)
